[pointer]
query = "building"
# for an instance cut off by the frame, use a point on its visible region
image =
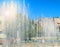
(49, 28)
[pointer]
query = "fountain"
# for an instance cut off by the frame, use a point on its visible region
(13, 26)
(8, 13)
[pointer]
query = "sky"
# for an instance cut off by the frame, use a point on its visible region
(42, 8)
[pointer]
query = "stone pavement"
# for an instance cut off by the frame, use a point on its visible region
(39, 45)
(36, 45)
